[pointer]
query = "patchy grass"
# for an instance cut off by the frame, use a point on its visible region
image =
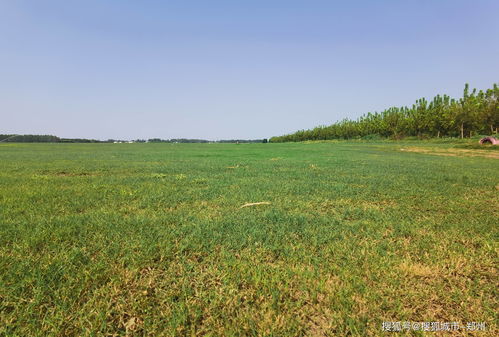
(453, 152)
(151, 239)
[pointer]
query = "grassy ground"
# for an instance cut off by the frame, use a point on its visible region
(150, 239)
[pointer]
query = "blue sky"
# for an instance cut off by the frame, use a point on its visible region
(231, 69)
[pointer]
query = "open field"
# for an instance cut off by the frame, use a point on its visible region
(151, 239)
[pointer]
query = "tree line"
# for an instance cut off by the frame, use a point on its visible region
(45, 139)
(29, 138)
(54, 139)
(476, 113)
(185, 140)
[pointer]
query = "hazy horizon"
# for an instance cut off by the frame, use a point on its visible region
(225, 70)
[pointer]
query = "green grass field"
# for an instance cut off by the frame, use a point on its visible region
(151, 239)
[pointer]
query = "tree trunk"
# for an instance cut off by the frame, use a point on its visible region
(438, 134)
(462, 130)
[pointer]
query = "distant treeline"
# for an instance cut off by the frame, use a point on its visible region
(46, 139)
(476, 113)
(184, 140)
(29, 138)
(55, 139)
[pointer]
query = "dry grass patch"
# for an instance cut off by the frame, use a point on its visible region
(337, 206)
(418, 270)
(451, 152)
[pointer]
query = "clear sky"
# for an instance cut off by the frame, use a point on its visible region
(232, 69)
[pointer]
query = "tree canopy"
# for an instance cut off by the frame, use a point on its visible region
(474, 113)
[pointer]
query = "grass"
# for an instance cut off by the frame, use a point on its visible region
(151, 239)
